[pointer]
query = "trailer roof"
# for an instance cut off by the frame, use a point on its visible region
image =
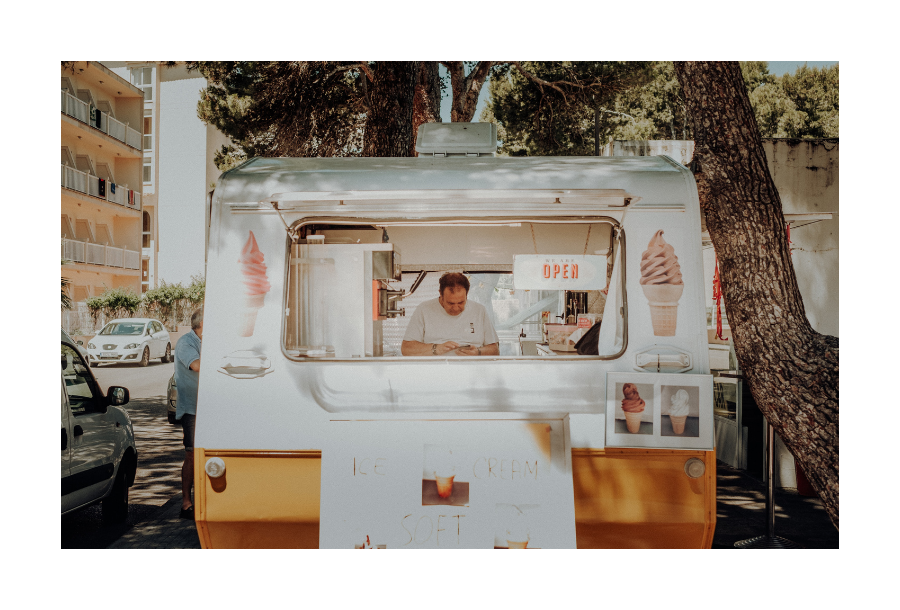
(655, 180)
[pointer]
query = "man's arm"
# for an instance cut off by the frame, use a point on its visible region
(195, 365)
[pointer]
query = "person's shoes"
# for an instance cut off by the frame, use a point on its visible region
(187, 513)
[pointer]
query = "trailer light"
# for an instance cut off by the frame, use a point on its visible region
(693, 468)
(215, 467)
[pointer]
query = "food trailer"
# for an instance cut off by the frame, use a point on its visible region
(314, 431)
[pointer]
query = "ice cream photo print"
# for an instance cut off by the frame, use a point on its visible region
(663, 410)
(662, 284)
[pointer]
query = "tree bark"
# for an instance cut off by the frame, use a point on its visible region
(791, 369)
(427, 105)
(391, 98)
(466, 88)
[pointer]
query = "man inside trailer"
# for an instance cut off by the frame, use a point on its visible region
(451, 325)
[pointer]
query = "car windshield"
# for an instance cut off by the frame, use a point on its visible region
(123, 328)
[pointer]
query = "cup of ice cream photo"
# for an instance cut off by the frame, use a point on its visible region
(444, 472)
(517, 534)
(662, 284)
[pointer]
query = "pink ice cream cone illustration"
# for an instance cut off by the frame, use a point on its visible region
(679, 410)
(255, 285)
(633, 405)
(662, 284)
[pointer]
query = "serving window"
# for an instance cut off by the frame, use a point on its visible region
(352, 287)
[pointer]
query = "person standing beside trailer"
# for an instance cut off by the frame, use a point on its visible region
(451, 323)
(187, 377)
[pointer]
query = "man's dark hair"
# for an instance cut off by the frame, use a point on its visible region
(453, 281)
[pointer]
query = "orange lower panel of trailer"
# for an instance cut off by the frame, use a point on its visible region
(624, 498)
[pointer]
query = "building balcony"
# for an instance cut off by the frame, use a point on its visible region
(94, 186)
(98, 254)
(101, 121)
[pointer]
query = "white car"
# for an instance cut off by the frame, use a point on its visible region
(99, 456)
(131, 340)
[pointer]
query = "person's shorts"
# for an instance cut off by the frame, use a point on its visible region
(188, 422)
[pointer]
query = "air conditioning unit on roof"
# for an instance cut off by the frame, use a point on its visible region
(457, 139)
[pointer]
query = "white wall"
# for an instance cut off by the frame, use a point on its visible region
(182, 177)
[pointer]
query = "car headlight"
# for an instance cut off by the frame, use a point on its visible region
(132, 346)
(91, 346)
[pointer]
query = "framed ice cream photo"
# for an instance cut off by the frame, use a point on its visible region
(668, 411)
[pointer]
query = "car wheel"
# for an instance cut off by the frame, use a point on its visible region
(172, 419)
(145, 359)
(114, 508)
(167, 357)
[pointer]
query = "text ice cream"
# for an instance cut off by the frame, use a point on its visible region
(253, 270)
(633, 405)
(678, 410)
(662, 284)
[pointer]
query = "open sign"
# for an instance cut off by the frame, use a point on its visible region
(561, 272)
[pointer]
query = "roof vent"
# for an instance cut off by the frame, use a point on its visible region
(457, 139)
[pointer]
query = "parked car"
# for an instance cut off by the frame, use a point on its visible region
(79, 345)
(171, 400)
(99, 456)
(131, 340)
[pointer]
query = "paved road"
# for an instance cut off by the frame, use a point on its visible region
(160, 455)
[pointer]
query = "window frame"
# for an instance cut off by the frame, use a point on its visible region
(618, 240)
(92, 404)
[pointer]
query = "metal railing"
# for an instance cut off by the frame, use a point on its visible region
(98, 254)
(81, 111)
(83, 182)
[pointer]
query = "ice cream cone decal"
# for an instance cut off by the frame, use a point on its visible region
(256, 285)
(679, 410)
(633, 405)
(662, 284)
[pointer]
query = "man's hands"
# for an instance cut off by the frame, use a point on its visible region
(468, 351)
(442, 348)
(416, 348)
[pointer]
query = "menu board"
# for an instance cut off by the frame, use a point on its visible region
(501, 484)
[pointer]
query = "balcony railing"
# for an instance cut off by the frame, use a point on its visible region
(94, 186)
(81, 111)
(98, 254)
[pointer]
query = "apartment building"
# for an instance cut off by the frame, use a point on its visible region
(102, 212)
(177, 168)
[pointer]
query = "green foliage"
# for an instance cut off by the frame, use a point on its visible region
(803, 105)
(283, 108)
(163, 302)
(113, 303)
(65, 299)
(556, 117)
(172, 304)
(657, 106)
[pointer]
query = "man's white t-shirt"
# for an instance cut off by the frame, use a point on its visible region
(431, 324)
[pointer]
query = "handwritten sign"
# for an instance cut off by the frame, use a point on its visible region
(559, 272)
(447, 484)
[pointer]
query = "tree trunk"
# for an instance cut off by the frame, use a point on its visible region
(389, 121)
(466, 89)
(791, 369)
(427, 105)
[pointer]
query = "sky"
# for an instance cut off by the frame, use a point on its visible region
(778, 68)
